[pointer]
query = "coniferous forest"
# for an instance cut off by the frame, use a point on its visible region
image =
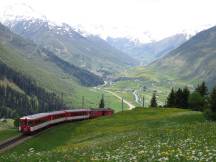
(33, 99)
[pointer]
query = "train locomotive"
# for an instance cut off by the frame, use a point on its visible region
(33, 123)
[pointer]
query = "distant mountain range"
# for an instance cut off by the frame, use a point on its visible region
(90, 52)
(193, 61)
(147, 53)
(47, 51)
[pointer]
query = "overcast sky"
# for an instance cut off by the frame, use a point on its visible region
(133, 18)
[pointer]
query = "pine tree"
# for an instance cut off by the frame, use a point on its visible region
(196, 101)
(213, 100)
(202, 89)
(179, 98)
(171, 99)
(154, 100)
(186, 94)
(102, 104)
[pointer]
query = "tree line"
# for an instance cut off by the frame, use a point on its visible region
(34, 99)
(199, 100)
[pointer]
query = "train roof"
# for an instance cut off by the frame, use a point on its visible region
(75, 110)
(35, 116)
(41, 115)
(101, 109)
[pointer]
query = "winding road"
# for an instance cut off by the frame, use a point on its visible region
(131, 106)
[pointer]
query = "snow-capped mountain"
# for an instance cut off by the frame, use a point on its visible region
(24, 20)
(19, 11)
(23, 11)
(89, 52)
(115, 32)
(148, 52)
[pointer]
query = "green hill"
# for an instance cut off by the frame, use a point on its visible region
(193, 61)
(50, 72)
(137, 135)
(37, 53)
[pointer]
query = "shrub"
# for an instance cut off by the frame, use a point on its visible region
(196, 101)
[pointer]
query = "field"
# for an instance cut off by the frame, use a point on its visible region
(137, 135)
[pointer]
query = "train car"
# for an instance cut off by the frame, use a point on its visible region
(32, 123)
(96, 113)
(101, 112)
(108, 112)
(77, 114)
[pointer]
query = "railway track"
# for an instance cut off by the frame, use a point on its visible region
(12, 142)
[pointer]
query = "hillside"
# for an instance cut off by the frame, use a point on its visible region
(89, 52)
(193, 61)
(33, 51)
(50, 72)
(20, 95)
(148, 52)
(137, 135)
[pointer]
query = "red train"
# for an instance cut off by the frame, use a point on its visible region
(32, 123)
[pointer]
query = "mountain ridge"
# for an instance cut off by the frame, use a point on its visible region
(148, 52)
(193, 61)
(73, 47)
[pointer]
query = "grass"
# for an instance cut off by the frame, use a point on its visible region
(7, 130)
(136, 135)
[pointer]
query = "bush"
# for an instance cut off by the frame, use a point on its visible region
(210, 115)
(16, 122)
(196, 101)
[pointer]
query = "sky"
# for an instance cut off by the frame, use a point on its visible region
(138, 19)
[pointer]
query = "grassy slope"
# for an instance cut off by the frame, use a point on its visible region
(140, 134)
(52, 78)
(7, 130)
(194, 61)
(6, 83)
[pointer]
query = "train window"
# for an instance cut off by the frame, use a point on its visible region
(30, 123)
(22, 122)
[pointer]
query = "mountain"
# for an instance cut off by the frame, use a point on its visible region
(193, 61)
(32, 50)
(47, 70)
(20, 95)
(146, 53)
(90, 52)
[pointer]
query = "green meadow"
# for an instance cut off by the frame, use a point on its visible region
(141, 134)
(7, 130)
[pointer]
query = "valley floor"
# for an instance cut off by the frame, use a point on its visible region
(137, 135)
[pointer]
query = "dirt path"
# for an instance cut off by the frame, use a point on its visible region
(131, 106)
